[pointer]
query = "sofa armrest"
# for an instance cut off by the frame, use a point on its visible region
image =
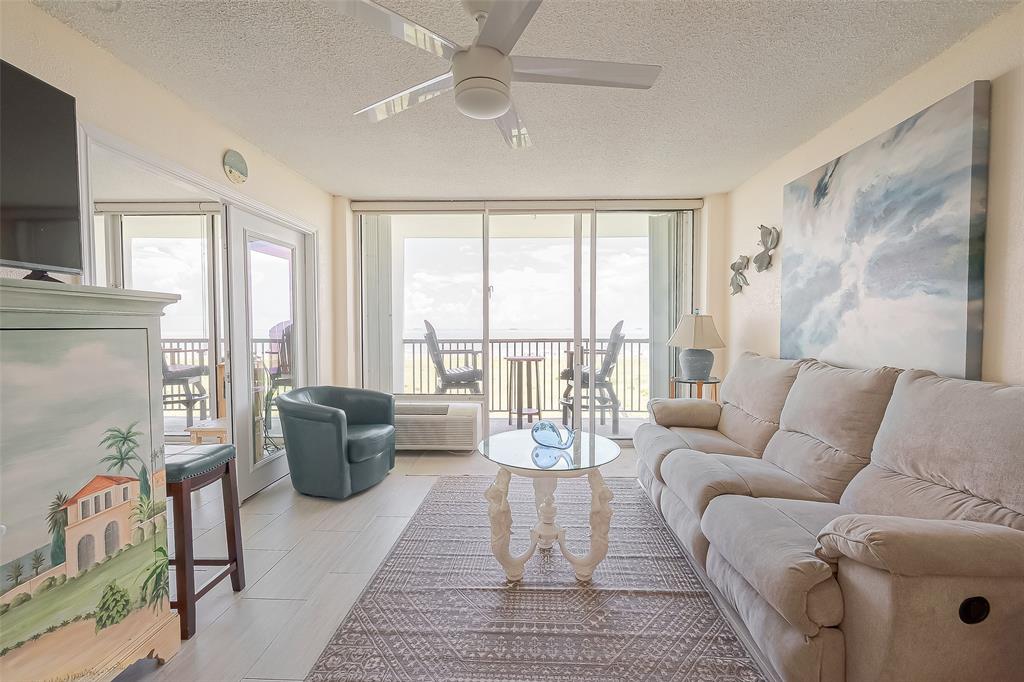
(692, 412)
(924, 547)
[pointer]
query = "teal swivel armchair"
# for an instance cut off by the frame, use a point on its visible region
(338, 440)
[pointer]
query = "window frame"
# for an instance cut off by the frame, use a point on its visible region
(685, 272)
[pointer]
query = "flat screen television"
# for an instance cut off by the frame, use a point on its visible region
(40, 221)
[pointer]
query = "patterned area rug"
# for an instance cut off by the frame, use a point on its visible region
(439, 607)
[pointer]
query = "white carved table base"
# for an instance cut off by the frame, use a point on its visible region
(546, 533)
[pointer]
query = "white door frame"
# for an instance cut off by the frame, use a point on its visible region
(241, 227)
(229, 197)
(218, 191)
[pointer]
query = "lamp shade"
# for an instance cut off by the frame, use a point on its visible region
(696, 331)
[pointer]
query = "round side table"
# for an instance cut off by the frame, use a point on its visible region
(516, 453)
(711, 382)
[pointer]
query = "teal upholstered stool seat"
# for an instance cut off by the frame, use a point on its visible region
(338, 440)
(190, 469)
(197, 460)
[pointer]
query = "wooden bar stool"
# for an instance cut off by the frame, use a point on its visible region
(192, 469)
(518, 365)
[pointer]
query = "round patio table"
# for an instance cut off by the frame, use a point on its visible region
(516, 453)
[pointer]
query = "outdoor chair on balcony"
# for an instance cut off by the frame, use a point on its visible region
(467, 377)
(280, 370)
(602, 395)
(183, 385)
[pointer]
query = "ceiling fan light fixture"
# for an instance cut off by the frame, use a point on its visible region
(482, 73)
(482, 98)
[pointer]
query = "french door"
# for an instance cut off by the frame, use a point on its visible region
(269, 347)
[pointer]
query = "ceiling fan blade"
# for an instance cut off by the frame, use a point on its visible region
(406, 99)
(505, 23)
(513, 129)
(584, 72)
(404, 29)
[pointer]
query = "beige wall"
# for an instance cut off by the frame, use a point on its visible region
(995, 52)
(713, 269)
(119, 100)
(346, 310)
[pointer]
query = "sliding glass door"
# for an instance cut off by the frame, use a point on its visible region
(536, 332)
(573, 328)
(641, 285)
(423, 304)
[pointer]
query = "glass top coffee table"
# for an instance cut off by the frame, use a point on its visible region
(515, 453)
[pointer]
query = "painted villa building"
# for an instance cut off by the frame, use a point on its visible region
(99, 520)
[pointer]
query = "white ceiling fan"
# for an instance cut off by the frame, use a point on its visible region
(482, 74)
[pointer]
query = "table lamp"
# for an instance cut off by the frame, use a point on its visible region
(694, 335)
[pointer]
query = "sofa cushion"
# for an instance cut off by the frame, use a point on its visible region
(654, 442)
(770, 542)
(709, 440)
(685, 525)
(698, 478)
(649, 483)
(753, 394)
(829, 421)
(946, 449)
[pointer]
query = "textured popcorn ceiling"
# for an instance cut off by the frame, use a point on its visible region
(743, 82)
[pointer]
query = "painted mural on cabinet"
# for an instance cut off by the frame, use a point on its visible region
(884, 255)
(84, 558)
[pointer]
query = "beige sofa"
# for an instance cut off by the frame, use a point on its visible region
(860, 520)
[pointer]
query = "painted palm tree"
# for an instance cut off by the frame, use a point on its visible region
(15, 573)
(144, 510)
(57, 521)
(157, 586)
(37, 561)
(123, 443)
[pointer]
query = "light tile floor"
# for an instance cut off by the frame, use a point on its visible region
(306, 562)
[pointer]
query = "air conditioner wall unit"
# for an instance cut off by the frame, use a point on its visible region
(437, 426)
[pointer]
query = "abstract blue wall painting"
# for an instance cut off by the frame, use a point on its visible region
(884, 255)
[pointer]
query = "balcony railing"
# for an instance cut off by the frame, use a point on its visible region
(196, 353)
(630, 377)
